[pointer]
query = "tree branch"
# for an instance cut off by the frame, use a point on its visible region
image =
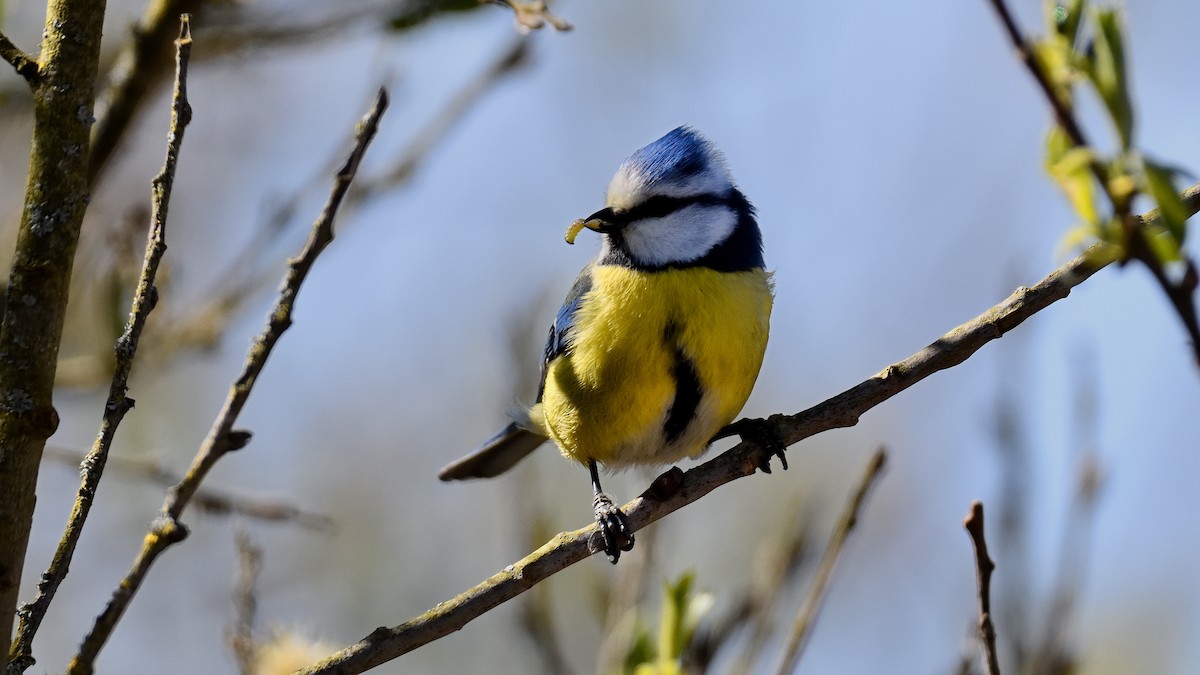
(983, 576)
(207, 499)
(807, 616)
(245, 602)
(533, 15)
(222, 437)
(1053, 648)
(509, 61)
(1062, 111)
(138, 69)
(25, 65)
(242, 279)
(676, 488)
(35, 302)
(144, 299)
(1138, 247)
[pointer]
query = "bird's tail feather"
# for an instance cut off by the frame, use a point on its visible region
(499, 454)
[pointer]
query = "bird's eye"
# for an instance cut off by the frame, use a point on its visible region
(662, 206)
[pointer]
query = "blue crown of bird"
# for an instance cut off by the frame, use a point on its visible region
(661, 337)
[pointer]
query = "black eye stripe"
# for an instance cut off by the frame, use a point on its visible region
(658, 207)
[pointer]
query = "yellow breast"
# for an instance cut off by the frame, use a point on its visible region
(609, 399)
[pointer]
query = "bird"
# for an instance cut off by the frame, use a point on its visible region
(661, 337)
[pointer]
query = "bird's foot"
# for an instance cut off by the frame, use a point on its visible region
(614, 527)
(765, 435)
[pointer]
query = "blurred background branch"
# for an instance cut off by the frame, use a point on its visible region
(207, 499)
(223, 438)
(200, 324)
(245, 602)
(806, 617)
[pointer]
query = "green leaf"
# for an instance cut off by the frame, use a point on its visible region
(682, 611)
(1064, 19)
(1070, 167)
(1163, 244)
(1172, 212)
(660, 668)
(672, 631)
(1055, 59)
(1057, 145)
(641, 650)
(1079, 236)
(1104, 254)
(1108, 74)
(1123, 183)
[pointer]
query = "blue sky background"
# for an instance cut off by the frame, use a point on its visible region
(894, 153)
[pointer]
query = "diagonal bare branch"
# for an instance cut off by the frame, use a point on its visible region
(208, 500)
(137, 71)
(676, 488)
(241, 280)
(222, 437)
(533, 15)
(514, 56)
(807, 617)
(25, 65)
(245, 602)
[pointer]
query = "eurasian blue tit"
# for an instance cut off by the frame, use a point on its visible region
(660, 339)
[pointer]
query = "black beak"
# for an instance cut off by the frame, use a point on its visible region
(604, 221)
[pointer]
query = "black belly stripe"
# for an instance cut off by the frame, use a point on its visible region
(687, 390)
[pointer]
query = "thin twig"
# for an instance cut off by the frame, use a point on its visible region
(118, 404)
(25, 65)
(533, 15)
(222, 437)
(1138, 247)
(536, 615)
(510, 60)
(779, 570)
(807, 617)
(207, 499)
(777, 561)
(1062, 111)
(680, 488)
(137, 69)
(1052, 652)
(241, 280)
(983, 575)
(245, 602)
(536, 621)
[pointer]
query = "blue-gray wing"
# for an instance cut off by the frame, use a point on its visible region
(559, 341)
(515, 441)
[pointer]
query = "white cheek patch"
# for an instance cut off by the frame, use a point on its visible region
(683, 236)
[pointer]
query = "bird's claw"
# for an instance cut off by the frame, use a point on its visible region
(614, 527)
(763, 434)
